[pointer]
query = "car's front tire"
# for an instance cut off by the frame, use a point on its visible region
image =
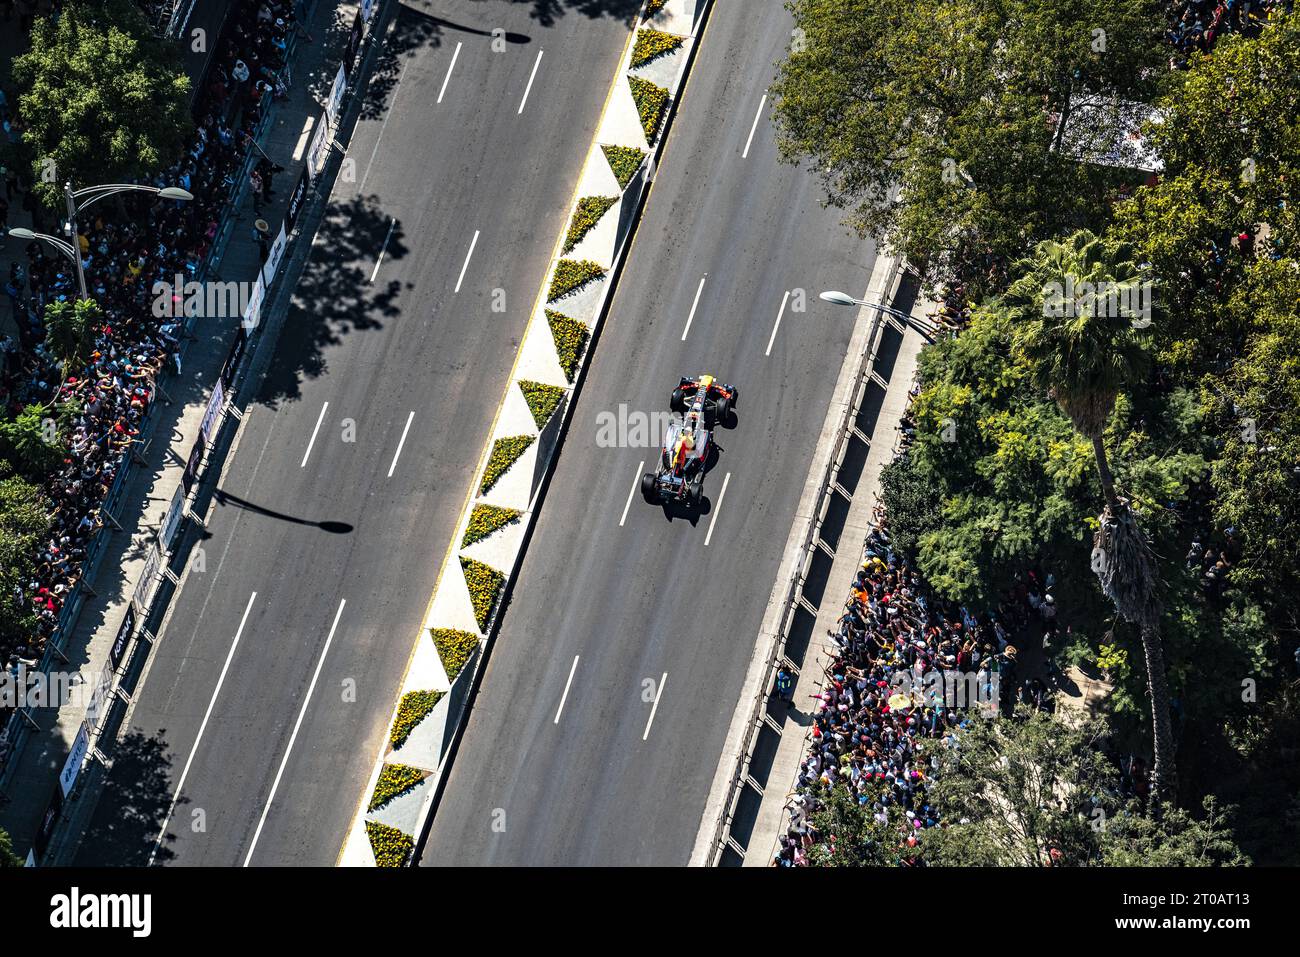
(648, 490)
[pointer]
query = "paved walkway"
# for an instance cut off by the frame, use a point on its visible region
(780, 745)
(153, 483)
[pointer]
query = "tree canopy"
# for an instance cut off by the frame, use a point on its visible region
(102, 98)
(939, 124)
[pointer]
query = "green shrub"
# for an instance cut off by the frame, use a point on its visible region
(486, 519)
(504, 453)
(651, 98)
(394, 779)
(570, 340)
(542, 399)
(623, 161)
(585, 216)
(454, 647)
(571, 275)
(652, 44)
(414, 708)
(484, 584)
(392, 847)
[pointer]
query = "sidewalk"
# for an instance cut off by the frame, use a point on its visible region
(759, 816)
(155, 481)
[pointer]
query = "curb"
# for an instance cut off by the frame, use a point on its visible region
(525, 437)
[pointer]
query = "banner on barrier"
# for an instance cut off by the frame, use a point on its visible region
(253, 314)
(210, 414)
(118, 650)
(172, 520)
(50, 818)
(319, 145)
(192, 464)
(148, 582)
(273, 257)
(336, 96)
(354, 42)
(236, 353)
(96, 707)
(296, 201)
(72, 766)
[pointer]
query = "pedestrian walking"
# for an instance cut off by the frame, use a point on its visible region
(262, 236)
(255, 181)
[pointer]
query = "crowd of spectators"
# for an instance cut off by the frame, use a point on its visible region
(1196, 24)
(906, 667)
(100, 406)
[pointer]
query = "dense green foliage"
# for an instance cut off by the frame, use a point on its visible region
(24, 522)
(101, 97)
(930, 126)
(1195, 413)
(71, 329)
(651, 100)
(454, 647)
(7, 856)
(394, 780)
(571, 275)
(392, 847)
(624, 161)
(484, 583)
(570, 337)
(411, 710)
(586, 215)
(486, 519)
(652, 44)
(542, 399)
(503, 455)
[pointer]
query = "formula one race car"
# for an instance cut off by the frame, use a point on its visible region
(679, 477)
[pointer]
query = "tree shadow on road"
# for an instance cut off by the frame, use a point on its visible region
(132, 806)
(334, 295)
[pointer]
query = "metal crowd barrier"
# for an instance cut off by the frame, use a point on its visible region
(21, 724)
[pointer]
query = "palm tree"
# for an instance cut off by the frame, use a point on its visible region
(1083, 350)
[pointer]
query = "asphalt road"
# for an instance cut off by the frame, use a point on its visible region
(606, 761)
(323, 519)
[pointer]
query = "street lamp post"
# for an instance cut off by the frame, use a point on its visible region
(77, 201)
(844, 299)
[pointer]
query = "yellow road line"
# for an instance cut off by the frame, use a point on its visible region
(469, 496)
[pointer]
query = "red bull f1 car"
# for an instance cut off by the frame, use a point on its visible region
(703, 403)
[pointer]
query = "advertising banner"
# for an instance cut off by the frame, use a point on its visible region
(319, 146)
(336, 96)
(144, 588)
(253, 314)
(215, 402)
(172, 521)
(118, 651)
(72, 766)
(192, 464)
(274, 256)
(296, 200)
(236, 353)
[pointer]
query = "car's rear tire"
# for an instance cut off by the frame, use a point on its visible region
(723, 411)
(678, 401)
(696, 493)
(648, 490)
